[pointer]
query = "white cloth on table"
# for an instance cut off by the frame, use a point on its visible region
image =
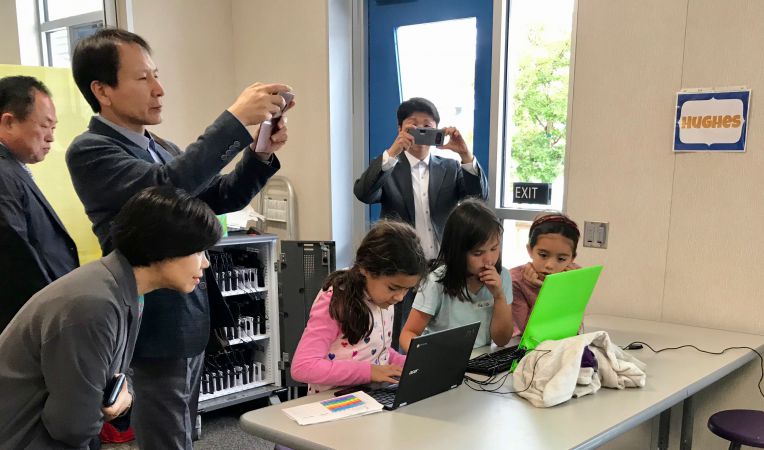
(553, 370)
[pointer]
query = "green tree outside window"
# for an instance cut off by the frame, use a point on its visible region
(541, 105)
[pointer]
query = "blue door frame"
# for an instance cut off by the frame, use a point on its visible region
(383, 18)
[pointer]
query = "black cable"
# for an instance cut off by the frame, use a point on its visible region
(227, 355)
(761, 358)
(487, 382)
(503, 379)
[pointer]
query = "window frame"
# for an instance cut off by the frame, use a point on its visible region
(107, 17)
(499, 139)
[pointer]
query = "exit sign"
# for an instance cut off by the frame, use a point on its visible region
(536, 193)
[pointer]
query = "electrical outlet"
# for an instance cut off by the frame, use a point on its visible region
(596, 234)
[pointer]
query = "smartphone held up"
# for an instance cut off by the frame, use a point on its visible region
(427, 136)
(267, 128)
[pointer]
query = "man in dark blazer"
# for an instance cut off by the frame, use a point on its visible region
(35, 248)
(70, 339)
(115, 158)
(419, 188)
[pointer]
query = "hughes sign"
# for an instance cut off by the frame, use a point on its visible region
(711, 121)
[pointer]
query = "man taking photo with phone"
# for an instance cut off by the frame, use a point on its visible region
(118, 156)
(419, 188)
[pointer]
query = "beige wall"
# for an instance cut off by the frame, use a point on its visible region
(191, 43)
(208, 51)
(287, 41)
(620, 135)
(9, 44)
(685, 241)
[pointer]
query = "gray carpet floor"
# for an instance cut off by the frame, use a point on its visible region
(220, 431)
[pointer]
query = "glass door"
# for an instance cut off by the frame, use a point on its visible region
(436, 49)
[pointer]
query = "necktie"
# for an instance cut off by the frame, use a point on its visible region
(154, 153)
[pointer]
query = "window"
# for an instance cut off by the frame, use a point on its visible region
(63, 23)
(425, 72)
(536, 92)
(437, 49)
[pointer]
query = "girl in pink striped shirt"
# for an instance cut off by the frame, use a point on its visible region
(348, 335)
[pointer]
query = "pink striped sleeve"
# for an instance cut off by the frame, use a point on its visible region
(311, 363)
(396, 358)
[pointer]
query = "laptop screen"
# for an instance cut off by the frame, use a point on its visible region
(560, 306)
(436, 362)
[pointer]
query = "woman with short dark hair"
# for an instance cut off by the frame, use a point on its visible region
(71, 338)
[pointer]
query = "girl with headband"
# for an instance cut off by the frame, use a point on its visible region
(552, 243)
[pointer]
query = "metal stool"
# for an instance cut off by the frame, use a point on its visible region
(739, 426)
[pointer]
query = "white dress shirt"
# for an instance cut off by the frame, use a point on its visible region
(420, 183)
(26, 169)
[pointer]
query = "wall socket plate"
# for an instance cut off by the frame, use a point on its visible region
(596, 234)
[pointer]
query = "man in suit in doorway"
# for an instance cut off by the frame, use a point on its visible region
(419, 188)
(115, 158)
(35, 248)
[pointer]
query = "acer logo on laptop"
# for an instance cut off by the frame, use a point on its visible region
(426, 372)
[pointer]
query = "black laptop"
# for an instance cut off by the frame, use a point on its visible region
(436, 363)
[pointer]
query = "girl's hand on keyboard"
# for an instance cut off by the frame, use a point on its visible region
(385, 373)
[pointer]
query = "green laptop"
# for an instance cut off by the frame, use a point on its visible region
(560, 306)
(557, 314)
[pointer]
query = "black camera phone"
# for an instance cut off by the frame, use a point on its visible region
(112, 389)
(427, 136)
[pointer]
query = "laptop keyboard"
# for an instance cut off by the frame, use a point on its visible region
(385, 396)
(493, 363)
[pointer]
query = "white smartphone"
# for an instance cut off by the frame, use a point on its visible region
(263, 144)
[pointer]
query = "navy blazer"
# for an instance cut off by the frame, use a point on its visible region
(35, 248)
(449, 184)
(107, 169)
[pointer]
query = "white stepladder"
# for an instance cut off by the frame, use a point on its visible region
(277, 205)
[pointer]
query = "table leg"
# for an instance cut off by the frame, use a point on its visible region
(663, 430)
(688, 416)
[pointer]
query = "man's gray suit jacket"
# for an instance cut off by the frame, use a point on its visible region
(449, 184)
(60, 351)
(107, 169)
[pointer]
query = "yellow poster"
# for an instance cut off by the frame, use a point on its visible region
(51, 175)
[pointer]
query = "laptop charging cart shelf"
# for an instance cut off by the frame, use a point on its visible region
(269, 296)
(247, 366)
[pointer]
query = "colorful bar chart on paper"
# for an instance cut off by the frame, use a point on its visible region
(342, 403)
(355, 404)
